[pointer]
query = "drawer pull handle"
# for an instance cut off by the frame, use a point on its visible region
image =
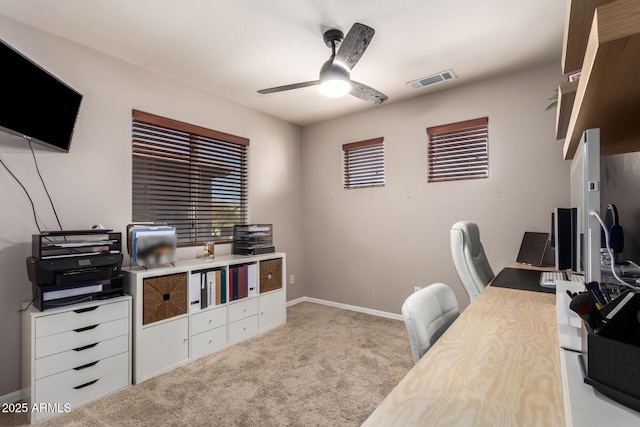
(85, 347)
(86, 328)
(88, 365)
(86, 385)
(84, 310)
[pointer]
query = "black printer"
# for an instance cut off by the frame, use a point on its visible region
(67, 267)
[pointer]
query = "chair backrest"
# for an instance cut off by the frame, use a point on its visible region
(427, 314)
(469, 258)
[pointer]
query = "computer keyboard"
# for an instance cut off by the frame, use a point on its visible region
(548, 278)
(576, 278)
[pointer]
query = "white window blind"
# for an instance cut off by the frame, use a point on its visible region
(364, 163)
(459, 150)
(192, 178)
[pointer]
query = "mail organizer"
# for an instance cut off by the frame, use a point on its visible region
(270, 275)
(164, 297)
(611, 359)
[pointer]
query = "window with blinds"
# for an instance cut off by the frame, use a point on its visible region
(459, 150)
(192, 178)
(364, 163)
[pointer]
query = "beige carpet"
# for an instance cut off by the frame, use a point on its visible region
(325, 367)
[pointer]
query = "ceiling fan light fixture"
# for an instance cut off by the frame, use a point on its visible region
(334, 80)
(334, 88)
(335, 74)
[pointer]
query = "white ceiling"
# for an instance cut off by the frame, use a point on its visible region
(232, 48)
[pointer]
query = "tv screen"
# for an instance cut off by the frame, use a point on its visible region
(35, 103)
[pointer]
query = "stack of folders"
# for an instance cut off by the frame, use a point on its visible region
(207, 288)
(243, 281)
(150, 244)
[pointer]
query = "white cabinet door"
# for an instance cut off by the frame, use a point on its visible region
(163, 347)
(272, 310)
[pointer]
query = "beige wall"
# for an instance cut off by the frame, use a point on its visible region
(370, 247)
(367, 247)
(92, 183)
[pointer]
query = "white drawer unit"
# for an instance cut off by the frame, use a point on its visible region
(80, 318)
(242, 309)
(72, 355)
(80, 337)
(243, 329)
(182, 336)
(208, 331)
(209, 319)
(80, 356)
(208, 342)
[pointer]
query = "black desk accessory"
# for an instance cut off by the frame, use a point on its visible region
(610, 359)
(517, 278)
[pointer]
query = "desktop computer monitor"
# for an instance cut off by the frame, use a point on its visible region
(591, 204)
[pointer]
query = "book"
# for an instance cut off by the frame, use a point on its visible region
(243, 284)
(223, 286)
(252, 279)
(233, 283)
(211, 287)
(195, 280)
(219, 285)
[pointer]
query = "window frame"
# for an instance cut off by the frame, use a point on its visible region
(184, 174)
(363, 164)
(453, 140)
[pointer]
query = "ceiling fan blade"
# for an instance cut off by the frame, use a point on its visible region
(354, 44)
(367, 93)
(288, 87)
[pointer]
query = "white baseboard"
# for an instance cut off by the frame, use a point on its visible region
(295, 301)
(11, 397)
(346, 307)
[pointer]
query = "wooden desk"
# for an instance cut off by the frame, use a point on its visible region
(497, 365)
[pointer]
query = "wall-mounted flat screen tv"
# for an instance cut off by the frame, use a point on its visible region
(35, 103)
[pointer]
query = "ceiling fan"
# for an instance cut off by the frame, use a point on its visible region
(335, 74)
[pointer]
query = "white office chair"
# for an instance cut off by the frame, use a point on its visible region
(469, 258)
(427, 314)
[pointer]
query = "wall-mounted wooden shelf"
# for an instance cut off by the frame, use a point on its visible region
(566, 97)
(578, 21)
(608, 92)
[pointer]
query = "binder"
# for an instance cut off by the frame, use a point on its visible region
(233, 283)
(195, 280)
(252, 279)
(219, 286)
(223, 286)
(211, 287)
(243, 286)
(203, 291)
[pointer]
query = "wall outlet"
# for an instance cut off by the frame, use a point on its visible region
(416, 288)
(292, 280)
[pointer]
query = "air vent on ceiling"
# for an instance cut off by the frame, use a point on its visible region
(431, 80)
